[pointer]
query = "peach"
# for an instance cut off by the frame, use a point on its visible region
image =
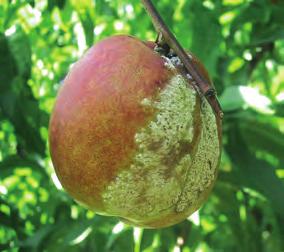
(131, 137)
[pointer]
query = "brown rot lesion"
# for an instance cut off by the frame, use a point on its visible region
(168, 45)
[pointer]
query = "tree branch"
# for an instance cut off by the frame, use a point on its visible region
(167, 37)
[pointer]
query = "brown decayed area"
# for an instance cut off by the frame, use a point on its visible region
(175, 217)
(157, 191)
(185, 147)
(167, 218)
(98, 112)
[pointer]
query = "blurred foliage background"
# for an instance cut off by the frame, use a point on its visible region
(241, 42)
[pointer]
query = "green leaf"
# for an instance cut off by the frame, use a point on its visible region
(231, 99)
(26, 118)
(16, 99)
(242, 97)
(33, 243)
(147, 239)
(88, 26)
(254, 12)
(20, 49)
(277, 13)
(279, 108)
(206, 36)
(262, 35)
(226, 204)
(53, 3)
(121, 241)
(250, 171)
(10, 163)
(31, 3)
(5, 246)
(7, 65)
(13, 219)
(262, 136)
(78, 232)
(65, 234)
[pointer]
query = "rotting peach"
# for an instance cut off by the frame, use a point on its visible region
(131, 137)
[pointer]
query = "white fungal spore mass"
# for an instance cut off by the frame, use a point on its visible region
(176, 158)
